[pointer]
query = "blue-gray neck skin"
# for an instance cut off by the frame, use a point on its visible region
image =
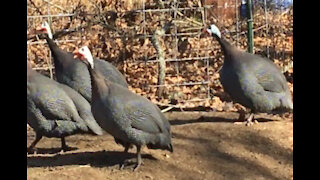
(227, 48)
(99, 85)
(60, 58)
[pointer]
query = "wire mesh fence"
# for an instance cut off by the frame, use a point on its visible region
(121, 32)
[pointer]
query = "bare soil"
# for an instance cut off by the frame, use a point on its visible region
(207, 145)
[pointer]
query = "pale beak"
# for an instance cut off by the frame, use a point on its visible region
(76, 54)
(206, 31)
(41, 29)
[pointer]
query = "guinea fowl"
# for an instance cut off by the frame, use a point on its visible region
(253, 81)
(131, 119)
(74, 73)
(56, 110)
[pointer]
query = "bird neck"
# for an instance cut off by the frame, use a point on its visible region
(227, 48)
(51, 43)
(59, 57)
(49, 32)
(99, 85)
(90, 59)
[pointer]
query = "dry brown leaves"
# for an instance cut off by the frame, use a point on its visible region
(129, 53)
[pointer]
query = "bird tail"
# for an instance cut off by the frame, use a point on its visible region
(94, 128)
(287, 103)
(170, 147)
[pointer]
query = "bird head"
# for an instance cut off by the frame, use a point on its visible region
(213, 30)
(45, 28)
(84, 54)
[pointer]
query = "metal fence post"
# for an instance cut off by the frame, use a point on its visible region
(250, 31)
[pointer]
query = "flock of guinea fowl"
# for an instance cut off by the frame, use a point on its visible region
(91, 96)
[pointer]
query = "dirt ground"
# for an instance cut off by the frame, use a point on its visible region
(207, 145)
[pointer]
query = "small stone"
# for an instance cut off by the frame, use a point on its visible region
(148, 177)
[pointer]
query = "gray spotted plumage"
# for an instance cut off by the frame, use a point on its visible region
(56, 110)
(130, 118)
(75, 74)
(254, 81)
(84, 109)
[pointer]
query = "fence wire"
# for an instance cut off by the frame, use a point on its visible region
(193, 16)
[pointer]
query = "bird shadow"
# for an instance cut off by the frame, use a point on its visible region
(213, 120)
(96, 159)
(51, 150)
(200, 120)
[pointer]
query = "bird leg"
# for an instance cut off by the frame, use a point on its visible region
(250, 120)
(64, 146)
(31, 148)
(126, 149)
(242, 115)
(139, 161)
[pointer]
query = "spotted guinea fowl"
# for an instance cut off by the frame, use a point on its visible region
(131, 119)
(253, 81)
(56, 110)
(74, 73)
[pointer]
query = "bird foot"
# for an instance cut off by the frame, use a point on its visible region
(246, 123)
(250, 123)
(125, 163)
(136, 167)
(128, 163)
(66, 148)
(121, 166)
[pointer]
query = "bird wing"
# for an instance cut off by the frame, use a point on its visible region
(144, 116)
(53, 102)
(270, 77)
(77, 77)
(270, 82)
(165, 121)
(83, 108)
(54, 109)
(267, 74)
(110, 72)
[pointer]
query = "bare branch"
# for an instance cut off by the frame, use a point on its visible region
(162, 63)
(35, 6)
(54, 5)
